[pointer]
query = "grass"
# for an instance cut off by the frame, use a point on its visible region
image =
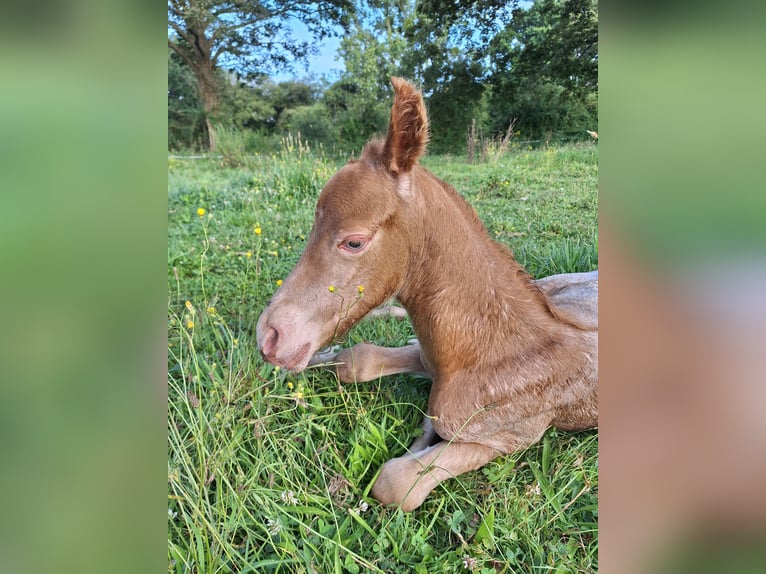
(270, 472)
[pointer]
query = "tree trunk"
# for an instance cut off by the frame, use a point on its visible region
(205, 73)
(198, 57)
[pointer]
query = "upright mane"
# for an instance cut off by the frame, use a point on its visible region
(374, 153)
(501, 249)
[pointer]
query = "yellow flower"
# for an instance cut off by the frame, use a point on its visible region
(331, 289)
(235, 342)
(289, 385)
(360, 289)
(211, 310)
(257, 230)
(190, 307)
(279, 282)
(248, 254)
(190, 324)
(297, 395)
(201, 212)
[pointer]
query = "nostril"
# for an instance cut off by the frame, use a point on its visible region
(269, 342)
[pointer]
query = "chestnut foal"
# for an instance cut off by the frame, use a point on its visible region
(509, 356)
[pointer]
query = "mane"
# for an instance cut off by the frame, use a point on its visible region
(373, 153)
(503, 250)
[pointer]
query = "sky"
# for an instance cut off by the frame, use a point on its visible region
(322, 63)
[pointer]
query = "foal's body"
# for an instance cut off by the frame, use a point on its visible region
(507, 361)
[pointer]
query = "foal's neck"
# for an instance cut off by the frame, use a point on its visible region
(463, 286)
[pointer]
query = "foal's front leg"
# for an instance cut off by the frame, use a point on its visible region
(407, 480)
(366, 362)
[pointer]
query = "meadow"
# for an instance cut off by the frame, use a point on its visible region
(271, 472)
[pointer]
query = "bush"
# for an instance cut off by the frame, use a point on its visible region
(313, 123)
(236, 145)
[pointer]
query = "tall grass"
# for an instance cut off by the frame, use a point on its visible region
(270, 472)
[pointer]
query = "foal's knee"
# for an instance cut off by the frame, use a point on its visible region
(358, 364)
(346, 365)
(401, 481)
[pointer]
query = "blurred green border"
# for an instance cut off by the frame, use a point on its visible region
(83, 173)
(83, 222)
(681, 129)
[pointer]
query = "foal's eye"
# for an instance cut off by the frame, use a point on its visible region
(354, 243)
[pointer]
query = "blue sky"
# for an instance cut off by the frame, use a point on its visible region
(322, 63)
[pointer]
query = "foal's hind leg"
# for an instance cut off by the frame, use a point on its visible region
(428, 438)
(366, 362)
(407, 480)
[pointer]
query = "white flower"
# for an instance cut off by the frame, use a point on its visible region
(469, 562)
(288, 497)
(274, 526)
(172, 515)
(360, 508)
(533, 490)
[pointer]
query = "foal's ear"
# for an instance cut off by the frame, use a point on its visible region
(408, 130)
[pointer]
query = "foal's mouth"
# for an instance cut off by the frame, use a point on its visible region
(297, 358)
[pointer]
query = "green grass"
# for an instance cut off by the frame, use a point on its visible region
(270, 472)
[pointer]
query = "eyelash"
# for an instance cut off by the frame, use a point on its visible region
(346, 244)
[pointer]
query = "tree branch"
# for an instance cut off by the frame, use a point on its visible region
(178, 8)
(181, 32)
(186, 56)
(227, 28)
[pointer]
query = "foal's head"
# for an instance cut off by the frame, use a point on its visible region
(357, 252)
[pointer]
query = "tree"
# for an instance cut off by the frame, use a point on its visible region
(545, 68)
(495, 60)
(372, 52)
(186, 122)
(558, 40)
(455, 104)
(447, 43)
(246, 36)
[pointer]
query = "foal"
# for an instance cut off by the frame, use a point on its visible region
(509, 357)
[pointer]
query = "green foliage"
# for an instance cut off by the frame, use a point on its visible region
(238, 147)
(253, 116)
(186, 118)
(372, 51)
(536, 66)
(357, 115)
(246, 106)
(249, 38)
(252, 38)
(313, 123)
(544, 70)
(452, 109)
(270, 472)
